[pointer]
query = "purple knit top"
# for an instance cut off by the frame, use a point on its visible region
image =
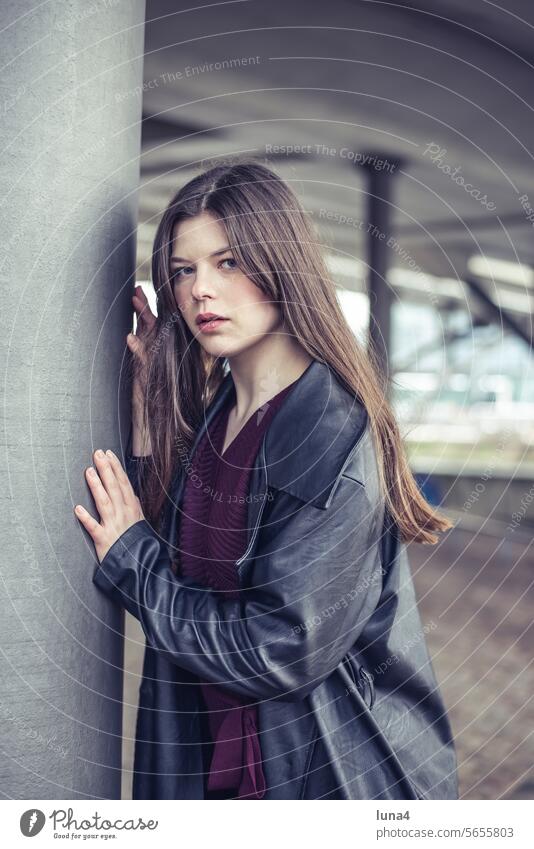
(213, 535)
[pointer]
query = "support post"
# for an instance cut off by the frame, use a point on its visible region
(69, 171)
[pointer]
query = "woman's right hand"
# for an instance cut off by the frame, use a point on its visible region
(138, 343)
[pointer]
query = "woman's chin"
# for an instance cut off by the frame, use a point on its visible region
(221, 344)
(216, 347)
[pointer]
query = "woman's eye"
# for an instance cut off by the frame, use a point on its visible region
(178, 273)
(187, 270)
(230, 259)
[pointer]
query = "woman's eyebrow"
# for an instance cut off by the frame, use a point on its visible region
(215, 253)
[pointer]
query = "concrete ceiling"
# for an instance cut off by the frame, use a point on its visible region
(342, 79)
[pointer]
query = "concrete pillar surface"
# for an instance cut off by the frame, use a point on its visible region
(71, 120)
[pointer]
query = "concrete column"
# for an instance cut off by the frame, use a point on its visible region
(69, 173)
(380, 180)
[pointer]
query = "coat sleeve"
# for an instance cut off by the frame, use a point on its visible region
(316, 580)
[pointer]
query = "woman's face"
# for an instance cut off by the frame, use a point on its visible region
(206, 279)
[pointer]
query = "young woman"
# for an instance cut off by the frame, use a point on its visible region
(259, 535)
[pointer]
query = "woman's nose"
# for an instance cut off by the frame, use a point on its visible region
(204, 284)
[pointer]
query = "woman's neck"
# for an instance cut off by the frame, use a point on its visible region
(257, 379)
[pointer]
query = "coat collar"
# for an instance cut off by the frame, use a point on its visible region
(311, 435)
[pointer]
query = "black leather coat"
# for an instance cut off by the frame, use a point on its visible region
(326, 636)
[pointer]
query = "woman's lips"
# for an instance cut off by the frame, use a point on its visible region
(212, 324)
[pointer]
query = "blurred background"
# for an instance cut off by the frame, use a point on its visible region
(406, 131)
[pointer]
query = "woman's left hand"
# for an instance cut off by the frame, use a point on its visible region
(115, 500)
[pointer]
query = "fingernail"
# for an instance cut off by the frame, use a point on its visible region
(99, 453)
(91, 471)
(110, 453)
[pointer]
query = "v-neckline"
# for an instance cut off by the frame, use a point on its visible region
(225, 428)
(231, 404)
(222, 453)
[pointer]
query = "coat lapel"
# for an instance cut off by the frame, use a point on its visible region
(312, 435)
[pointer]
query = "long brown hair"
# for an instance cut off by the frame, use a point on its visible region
(277, 247)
